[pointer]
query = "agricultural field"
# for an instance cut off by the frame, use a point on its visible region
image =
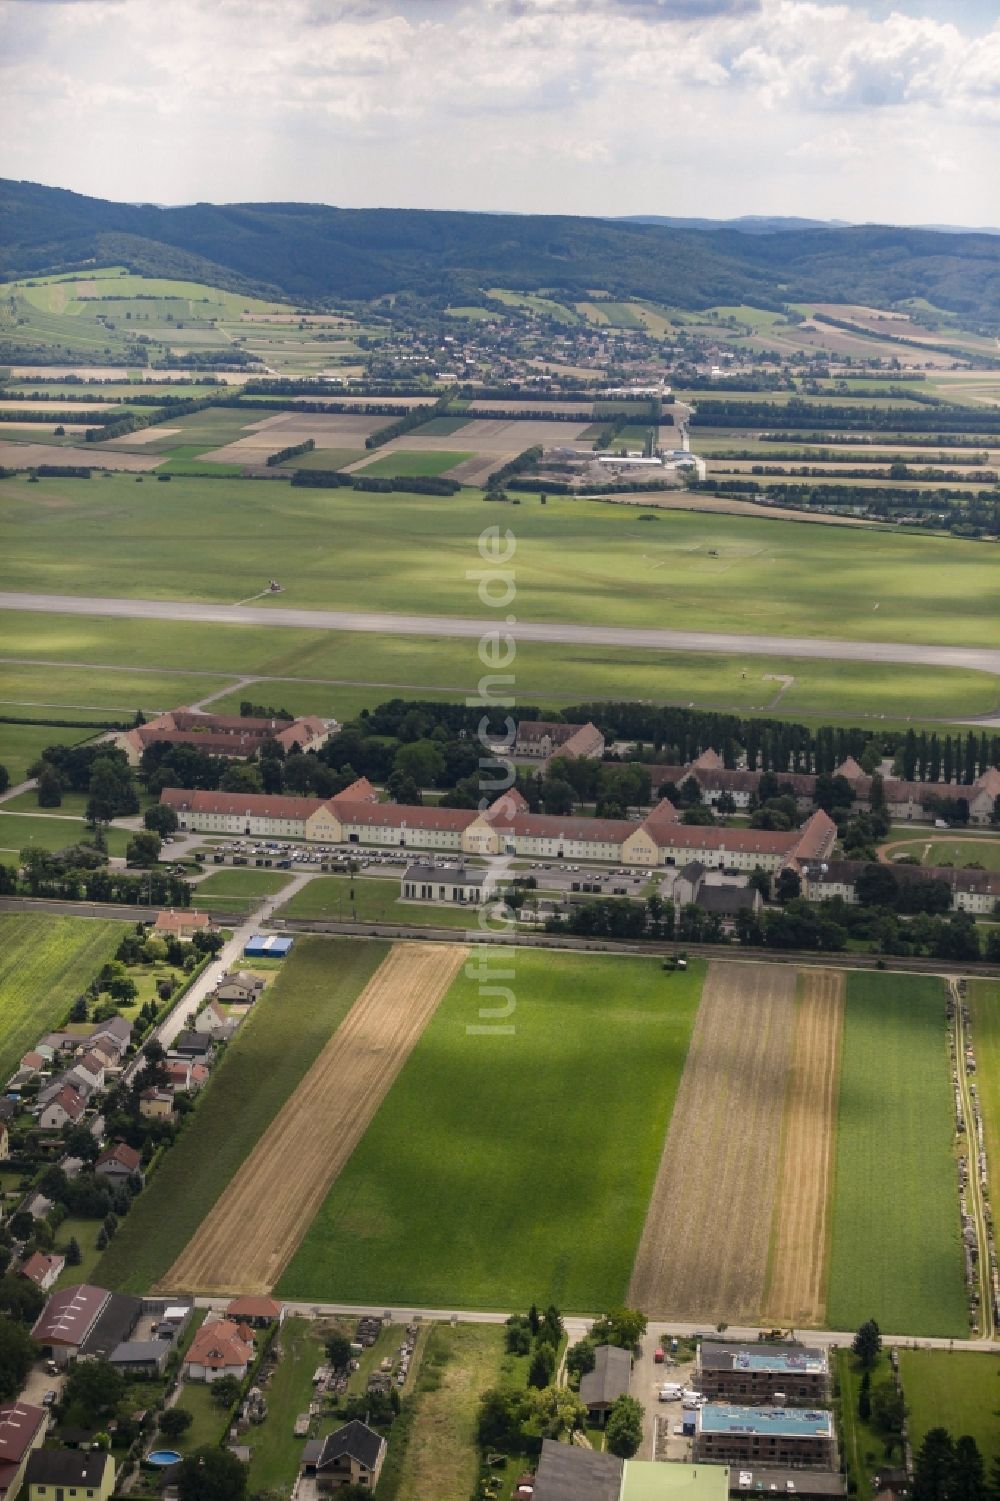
(800, 1235)
(695, 1261)
(984, 1002)
(954, 1389)
(262, 1068)
(429, 1211)
(577, 561)
(895, 1252)
(285, 1178)
(45, 963)
(403, 462)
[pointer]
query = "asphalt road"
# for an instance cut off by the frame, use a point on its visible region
(982, 659)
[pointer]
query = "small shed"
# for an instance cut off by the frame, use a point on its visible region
(267, 946)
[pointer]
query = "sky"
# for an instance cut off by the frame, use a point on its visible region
(886, 112)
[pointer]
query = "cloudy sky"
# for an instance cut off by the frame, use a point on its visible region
(877, 111)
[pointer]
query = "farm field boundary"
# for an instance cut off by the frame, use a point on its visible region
(896, 1251)
(796, 1292)
(482, 1181)
(263, 1065)
(704, 1247)
(282, 1183)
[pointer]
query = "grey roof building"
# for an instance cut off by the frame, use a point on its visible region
(421, 882)
(141, 1356)
(608, 1381)
(568, 1473)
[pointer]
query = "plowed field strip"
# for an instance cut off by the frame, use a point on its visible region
(704, 1246)
(246, 1240)
(797, 1289)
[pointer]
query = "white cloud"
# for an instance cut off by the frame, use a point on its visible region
(707, 106)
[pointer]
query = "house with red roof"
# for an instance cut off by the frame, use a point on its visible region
(118, 1163)
(42, 1270)
(64, 1109)
(221, 1348)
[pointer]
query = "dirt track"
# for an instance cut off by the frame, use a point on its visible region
(797, 1290)
(703, 1253)
(246, 1240)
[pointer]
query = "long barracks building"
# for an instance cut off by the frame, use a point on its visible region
(506, 827)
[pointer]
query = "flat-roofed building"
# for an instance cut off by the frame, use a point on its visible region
(752, 1373)
(805, 1485)
(791, 1437)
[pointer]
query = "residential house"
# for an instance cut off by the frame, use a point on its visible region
(242, 987)
(156, 1104)
(212, 1021)
(352, 1455)
(183, 925)
(221, 1348)
(119, 1163)
(22, 1429)
(55, 1474)
(42, 1270)
(193, 1045)
(65, 1108)
(541, 740)
(609, 1380)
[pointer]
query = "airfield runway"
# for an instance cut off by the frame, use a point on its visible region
(980, 659)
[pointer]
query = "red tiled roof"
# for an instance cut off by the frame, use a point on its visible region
(174, 922)
(122, 1154)
(218, 1345)
(241, 804)
(39, 1266)
(740, 841)
(405, 816)
(250, 1307)
(71, 1101)
(359, 791)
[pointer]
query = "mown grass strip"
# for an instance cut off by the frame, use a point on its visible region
(896, 1253)
(272, 1051)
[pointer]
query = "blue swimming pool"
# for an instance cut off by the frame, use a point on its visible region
(164, 1457)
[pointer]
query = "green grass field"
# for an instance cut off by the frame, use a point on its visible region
(276, 1452)
(329, 898)
(954, 1389)
(984, 1004)
(411, 461)
(236, 890)
(368, 669)
(21, 744)
(482, 1182)
(45, 963)
(272, 1051)
(576, 561)
(958, 852)
(20, 831)
(896, 1253)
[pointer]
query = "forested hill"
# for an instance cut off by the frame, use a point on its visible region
(311, 251)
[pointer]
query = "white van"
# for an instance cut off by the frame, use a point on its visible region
(670, 1391)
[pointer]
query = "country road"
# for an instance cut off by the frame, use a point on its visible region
(982, 659)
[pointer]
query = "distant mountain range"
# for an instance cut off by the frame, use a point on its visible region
(311, 252)
(766, 224)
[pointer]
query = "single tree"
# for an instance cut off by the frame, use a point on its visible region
(338, 1351)
(175, 1421)
(212, 1474)
(17, 1353)
(623, 1431)
(867, 1344)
